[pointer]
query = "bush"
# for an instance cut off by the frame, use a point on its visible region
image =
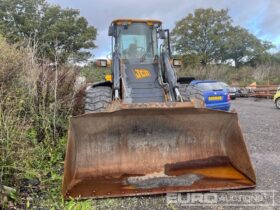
(262, 74)
(93, 73)
(36, 102)
(11, 65)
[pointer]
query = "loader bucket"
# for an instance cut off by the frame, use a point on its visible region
(153, 151)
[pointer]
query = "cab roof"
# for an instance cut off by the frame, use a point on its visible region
(129, 21)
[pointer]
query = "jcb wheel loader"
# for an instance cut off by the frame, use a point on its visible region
(139, 137)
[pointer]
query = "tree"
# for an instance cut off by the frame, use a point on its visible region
(244, 48)
(209, 36)
(202, 33)
(53, 32)
(20, 19)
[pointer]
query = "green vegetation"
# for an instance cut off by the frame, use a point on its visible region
(208, 36)
(37, 99)
(243, 76)
(58, 35)
(34, 112)
(94, 74)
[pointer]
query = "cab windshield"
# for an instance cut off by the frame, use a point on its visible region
(137, 40)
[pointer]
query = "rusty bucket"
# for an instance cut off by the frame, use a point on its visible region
(152, 151)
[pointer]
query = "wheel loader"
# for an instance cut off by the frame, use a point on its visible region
(139, 137)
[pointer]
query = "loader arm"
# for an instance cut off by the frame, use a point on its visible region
(116, 75)
(171, 77)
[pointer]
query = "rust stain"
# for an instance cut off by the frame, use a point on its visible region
(139, 151)
(182, 179)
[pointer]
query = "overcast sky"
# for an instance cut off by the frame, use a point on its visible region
(260, 17)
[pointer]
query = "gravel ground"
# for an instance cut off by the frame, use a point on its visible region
(260, 123)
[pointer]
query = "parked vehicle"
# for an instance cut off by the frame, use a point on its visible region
(276, 98)
(242, 92)
(231, 90)
(214, 95)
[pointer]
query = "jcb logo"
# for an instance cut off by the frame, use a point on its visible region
(142, 73)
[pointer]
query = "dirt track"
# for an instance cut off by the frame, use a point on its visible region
(260, 123)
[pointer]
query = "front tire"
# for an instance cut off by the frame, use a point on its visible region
(277, 103)
(97, 99)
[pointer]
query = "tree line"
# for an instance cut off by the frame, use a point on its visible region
(205, 36)
(209, 36)
(54, 33)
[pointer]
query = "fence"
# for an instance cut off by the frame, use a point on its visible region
(258, 91)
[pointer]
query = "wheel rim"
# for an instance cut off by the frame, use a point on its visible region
(278, 103)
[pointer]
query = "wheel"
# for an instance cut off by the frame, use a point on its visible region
(97, 99)
(277, 103)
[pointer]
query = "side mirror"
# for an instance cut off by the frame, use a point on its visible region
(177, 62)
(111, 31)
(162, 34)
